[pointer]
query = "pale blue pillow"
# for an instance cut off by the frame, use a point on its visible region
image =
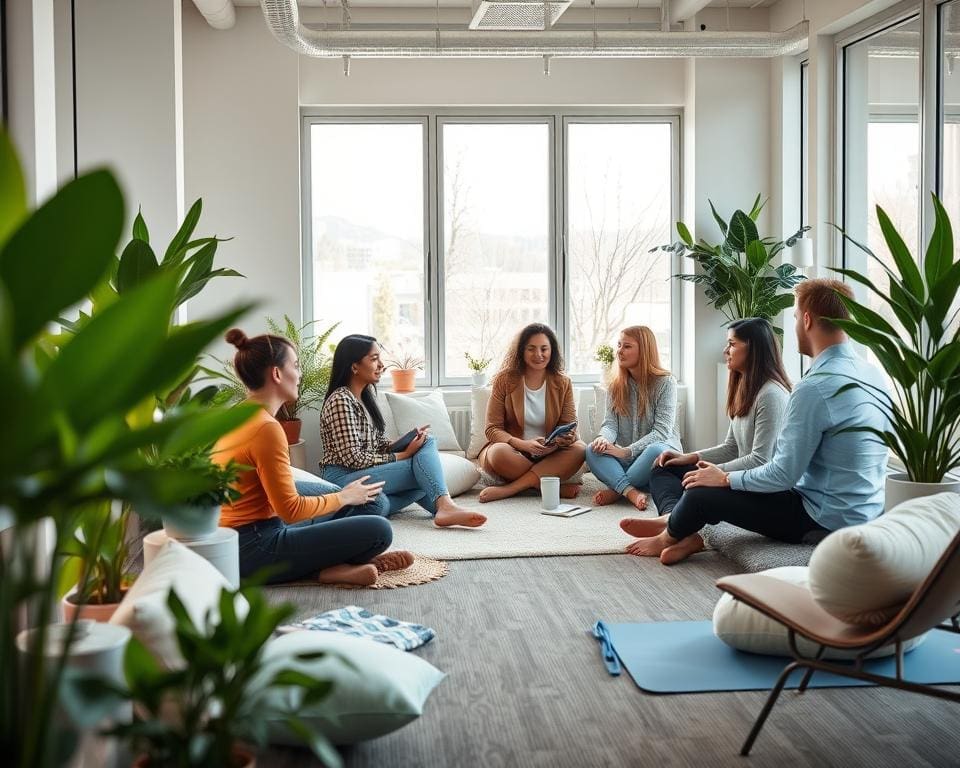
(377, 688)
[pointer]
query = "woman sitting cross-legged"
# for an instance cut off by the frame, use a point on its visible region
(351, 426)
(338, 536)
(530, 397)
(640, 421)
(757, 394)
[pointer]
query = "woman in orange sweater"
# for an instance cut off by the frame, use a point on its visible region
(295, 535)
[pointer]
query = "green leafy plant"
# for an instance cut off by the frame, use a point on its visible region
(604, 354)
(223, 698)
(402, 360)
(99, 557)
(738, 276)
(221, 478)
(69, 440)
(477, 364)
(922, 355)
(314, 354)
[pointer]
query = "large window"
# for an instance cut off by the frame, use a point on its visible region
(949, 110)
(444, 234)
(804, 143)
(882, 146)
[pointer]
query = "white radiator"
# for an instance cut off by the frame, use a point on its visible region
(460, 419)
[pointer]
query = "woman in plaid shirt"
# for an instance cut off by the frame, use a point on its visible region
(351, 427)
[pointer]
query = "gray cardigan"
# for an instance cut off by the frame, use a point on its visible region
(751, 439)
(657, 425)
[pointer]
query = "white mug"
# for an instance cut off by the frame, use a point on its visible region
(550, 492)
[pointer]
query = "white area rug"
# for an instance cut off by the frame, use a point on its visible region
(515, 528)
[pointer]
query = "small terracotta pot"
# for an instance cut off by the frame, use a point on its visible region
(404, 379)
(92, 611)
(242, 758)
(292, 429)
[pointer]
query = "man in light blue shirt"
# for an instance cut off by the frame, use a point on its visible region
(821, 477)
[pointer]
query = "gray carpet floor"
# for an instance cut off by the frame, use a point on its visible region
(526, 687)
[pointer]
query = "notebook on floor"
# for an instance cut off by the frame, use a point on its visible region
(566, 510)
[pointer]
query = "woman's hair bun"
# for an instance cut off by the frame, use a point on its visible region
(236, 337)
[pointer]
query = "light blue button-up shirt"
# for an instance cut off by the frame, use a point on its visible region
(840, 476)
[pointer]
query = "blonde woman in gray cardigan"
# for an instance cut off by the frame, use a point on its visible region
(757, 393)
(640, 422)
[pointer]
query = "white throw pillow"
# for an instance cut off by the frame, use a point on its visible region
(376, 688)
(459, 473)
(144, 608)
(865, 574)
(419, 408)
(746, 629)
(479, 400)
(600, 407)
(389, 424)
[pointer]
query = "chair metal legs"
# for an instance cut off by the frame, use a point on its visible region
(771, 700)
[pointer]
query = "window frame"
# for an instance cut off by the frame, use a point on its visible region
(433, 119)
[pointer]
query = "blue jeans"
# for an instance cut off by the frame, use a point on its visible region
(302, 549)
(416, 480)
(618, 474)
(321, 487)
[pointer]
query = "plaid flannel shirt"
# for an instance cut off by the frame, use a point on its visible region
(349, 437)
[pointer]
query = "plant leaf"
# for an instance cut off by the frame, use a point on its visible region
(140, 228)
(13, 193)
(173, 253)
(137, 264)
(906, 264)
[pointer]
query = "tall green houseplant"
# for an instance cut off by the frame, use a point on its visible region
(737, 275)
(921, 354)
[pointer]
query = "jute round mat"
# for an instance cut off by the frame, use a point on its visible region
(424, 569)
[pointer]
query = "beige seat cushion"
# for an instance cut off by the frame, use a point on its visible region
(864, 574)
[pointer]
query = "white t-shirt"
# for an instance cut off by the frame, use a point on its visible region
(534, 411)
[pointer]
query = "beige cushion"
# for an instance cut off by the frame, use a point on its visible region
(746, 629)
(144, 608)
(459, 473)
(418, 408)
(479, 399)
(865, 573)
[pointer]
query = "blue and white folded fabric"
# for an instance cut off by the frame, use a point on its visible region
(359, 622)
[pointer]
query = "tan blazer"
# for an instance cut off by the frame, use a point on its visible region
(505, 410)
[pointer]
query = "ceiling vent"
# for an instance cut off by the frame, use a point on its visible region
(517, 15)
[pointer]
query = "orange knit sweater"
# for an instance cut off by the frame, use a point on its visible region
(267, 490)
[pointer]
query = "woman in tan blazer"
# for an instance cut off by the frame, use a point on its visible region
(531, 397)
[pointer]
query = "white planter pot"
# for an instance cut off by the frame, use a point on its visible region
(479, 378)
(192, 523)
(900, 489)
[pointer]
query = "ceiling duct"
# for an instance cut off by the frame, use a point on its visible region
(220, 14)
(517, 14)
(283, 20)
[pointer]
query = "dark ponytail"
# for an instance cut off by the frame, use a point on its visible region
(255, 356)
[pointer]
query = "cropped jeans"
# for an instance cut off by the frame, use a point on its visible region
(418, 479)
(619, 474)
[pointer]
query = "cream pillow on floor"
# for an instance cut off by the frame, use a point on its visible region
(746, 629)
(865, 574)
(479, 400)
(144, 608)
(419, 408)
(459, 473)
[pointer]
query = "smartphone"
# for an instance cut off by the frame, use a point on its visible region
(562, 429)
(403, 441)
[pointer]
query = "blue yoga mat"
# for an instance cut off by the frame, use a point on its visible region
(686, 657)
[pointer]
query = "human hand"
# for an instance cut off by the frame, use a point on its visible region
(600, 445)
(357, 492)
(531, 447)
(547, 448)
(564, 440)
(415, 445)
(706, 475)
(674, 459)
(618, 451)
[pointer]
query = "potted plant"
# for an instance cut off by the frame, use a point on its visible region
(315, 358)
(478, 367)
(69, 440)
(604, 356)
(921, 354)
(403, 369)
(198, 516)
(738, 276)
(216, 709)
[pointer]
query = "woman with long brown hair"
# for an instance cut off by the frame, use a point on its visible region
(757, 393)
(531, 397)
(640, 421)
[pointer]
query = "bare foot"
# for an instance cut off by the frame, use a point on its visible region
(393, 561)
(606, 496)
(644, 526)
(652, 546)
(454, 515)
(362, 575)
(682, 549)
(570, 490)
(638, 499)
(494, 493)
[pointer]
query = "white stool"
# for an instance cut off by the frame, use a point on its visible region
(221, 549)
